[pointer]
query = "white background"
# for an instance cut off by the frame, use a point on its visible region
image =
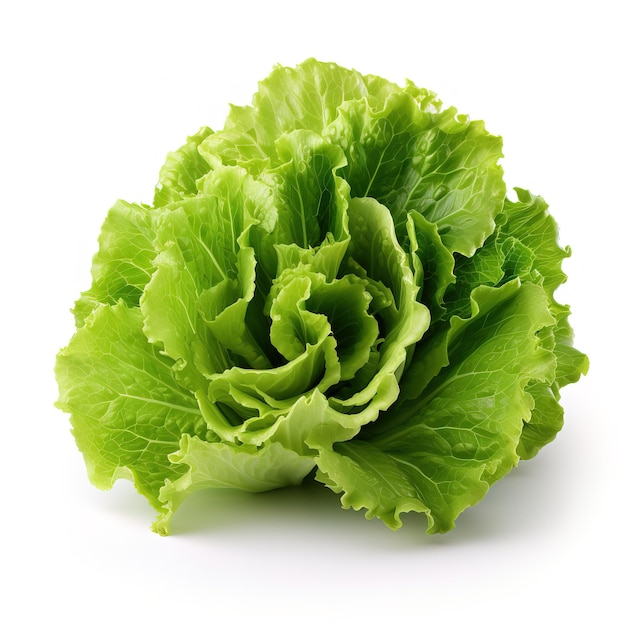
(93, 97)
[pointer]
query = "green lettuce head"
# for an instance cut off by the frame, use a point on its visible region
(334, 283)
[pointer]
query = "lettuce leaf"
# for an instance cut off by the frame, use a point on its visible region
(336, 284)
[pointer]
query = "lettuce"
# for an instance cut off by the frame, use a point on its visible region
(335, 283)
